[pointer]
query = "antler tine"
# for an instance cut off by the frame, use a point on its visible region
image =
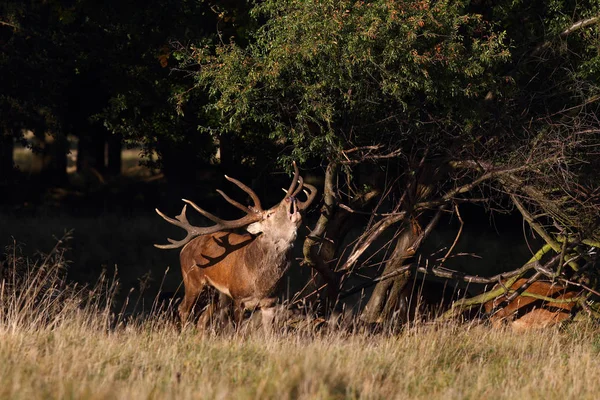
(246, 189)
(182, 222)
(299, 188)
(310, 197)
(238, 223)
(193, 231)
(233, 202)
(290, 191)
(208, 215)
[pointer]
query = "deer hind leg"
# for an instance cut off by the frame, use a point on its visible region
(217, 313)
(206, 317)
(189, 300)
(239, 309)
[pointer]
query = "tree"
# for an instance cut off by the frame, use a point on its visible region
(33, 64)
(435, 93)
(104, 73)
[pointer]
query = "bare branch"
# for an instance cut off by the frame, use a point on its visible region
(369, 237)
(580, 24)
(462, 224)
(4, 23)
(350, 210)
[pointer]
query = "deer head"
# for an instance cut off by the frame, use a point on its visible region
(280, 221)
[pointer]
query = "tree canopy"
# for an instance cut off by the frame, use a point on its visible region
(328, 77)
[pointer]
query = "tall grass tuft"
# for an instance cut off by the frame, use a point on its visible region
(35, 293)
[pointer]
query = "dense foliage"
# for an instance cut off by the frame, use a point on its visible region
(327, 77)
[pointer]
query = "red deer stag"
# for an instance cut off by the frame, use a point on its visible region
(245, 266)
(529, 312)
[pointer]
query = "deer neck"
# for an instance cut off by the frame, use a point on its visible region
(272, 252)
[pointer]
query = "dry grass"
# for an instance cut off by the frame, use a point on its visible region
(57, 341)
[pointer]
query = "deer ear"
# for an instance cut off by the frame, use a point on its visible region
(255, 228)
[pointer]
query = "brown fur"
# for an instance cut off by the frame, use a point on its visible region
(235, 264)
(525, 313)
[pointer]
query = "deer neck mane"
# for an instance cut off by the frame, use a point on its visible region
(271, 252)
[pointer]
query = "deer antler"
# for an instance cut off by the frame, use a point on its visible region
(290, 191)
(253, 196)
(310, 196)
(192, 231)
(253, 214)
(294, 190)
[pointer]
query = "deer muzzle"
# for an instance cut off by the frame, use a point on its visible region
(293, 212)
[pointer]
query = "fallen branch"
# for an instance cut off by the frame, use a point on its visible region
(516, 293)
(443, 273)
(508, 279)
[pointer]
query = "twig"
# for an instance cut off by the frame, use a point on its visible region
(353, 211)
(580, 285)
(562, 257)
(462, 224)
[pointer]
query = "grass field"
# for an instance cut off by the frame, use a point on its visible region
(60, 341)
(79, 359)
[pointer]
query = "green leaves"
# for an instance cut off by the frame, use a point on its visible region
(323, 76)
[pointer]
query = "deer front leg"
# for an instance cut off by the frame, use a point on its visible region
(267, 311)
(239, 310)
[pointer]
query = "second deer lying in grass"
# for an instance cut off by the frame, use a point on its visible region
(533, 309)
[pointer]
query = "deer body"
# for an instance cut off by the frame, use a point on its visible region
(247, 267)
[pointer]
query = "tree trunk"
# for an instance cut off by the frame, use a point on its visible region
(322, 246)
(50, 157)
(91, 150)
(319, 249)
(7, 144)
(384, 299)
(115, 159)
